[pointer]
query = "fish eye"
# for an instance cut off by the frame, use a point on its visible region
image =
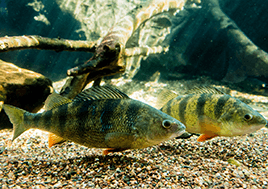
(166, 124)
(248, 117)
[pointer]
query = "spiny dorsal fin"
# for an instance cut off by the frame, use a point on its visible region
(204, 89)
(165, 96)
(100, 92)
(54, 100)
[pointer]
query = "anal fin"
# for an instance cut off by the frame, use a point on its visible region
(54, 139)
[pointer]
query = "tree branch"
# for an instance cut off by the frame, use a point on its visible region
(123, 30)
(251, 57)
(44, 43)
(144, 51)
(109, 55)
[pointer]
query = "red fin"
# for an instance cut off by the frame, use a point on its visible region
(205, 137)
(54, 139)
(110, 150)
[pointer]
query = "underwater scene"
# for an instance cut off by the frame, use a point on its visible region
(133, 94)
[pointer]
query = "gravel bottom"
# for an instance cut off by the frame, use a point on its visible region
(237, 162)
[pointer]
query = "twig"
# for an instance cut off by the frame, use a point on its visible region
(144, 51)
(43, 43)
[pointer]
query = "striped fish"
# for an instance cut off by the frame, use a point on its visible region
(100, 117)
(210, 112)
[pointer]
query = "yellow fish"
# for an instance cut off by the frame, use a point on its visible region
(211, 113)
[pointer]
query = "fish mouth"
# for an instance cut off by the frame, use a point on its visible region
(244, 131)
(177, 134)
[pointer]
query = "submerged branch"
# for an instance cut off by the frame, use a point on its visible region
(123, 30)
(144, 51)
(251, 57)
(44, 43)
(109, 54)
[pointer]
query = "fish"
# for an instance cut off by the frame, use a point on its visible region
(99, 117)
(210, 112)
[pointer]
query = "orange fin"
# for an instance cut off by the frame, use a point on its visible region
(54, 139)
(110, 150)
(205, 137)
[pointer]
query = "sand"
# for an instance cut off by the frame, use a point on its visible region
(237, 162)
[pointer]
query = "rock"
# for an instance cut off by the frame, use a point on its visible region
(21, 88)
(233, 161)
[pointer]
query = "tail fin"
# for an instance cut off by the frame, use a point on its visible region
(16, 118)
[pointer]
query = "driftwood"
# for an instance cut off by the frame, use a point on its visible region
(108, 58)
(109, 55)
(250, 56)
(44, 43)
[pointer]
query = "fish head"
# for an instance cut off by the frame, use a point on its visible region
(240, 119)
(160, 127)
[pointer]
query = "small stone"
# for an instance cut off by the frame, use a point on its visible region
(58, 184)
(218, 175)
(10, 175)
(233, 161)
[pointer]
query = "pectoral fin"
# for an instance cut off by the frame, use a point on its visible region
(54, 139)
(205, 137)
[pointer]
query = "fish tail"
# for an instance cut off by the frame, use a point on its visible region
(16, 116)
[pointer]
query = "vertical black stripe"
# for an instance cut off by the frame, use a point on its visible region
(200, 106)
(62, 113)
(109, 114)
(167, 107)
(219, 106)
(82, 117)
(47, 119)
(36, 118)
(182, 107)
(132, 112)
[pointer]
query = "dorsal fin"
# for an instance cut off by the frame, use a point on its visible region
(100, 92)
(165, 96)
(204, 89)
(54, 100)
